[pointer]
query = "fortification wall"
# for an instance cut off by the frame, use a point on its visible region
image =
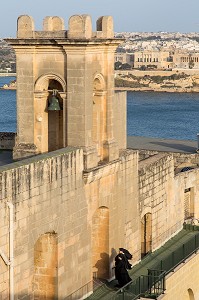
(168, 197)
(183, 282)
(156, 186)
(55, 208)
(46, 192)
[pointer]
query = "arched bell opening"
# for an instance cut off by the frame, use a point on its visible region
(50, 113)
(55, 116)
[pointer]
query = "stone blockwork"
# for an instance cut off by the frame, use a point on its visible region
(79, 64)
(182, 284)
(70, 222)
(54, 221)
(169, 196)
(156, 186)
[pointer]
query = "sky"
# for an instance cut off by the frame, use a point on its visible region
(128, 15)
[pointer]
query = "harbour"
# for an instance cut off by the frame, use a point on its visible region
(154, 115)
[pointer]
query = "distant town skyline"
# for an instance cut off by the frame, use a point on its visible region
(129, 15)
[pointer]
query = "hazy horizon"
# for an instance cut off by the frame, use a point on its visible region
(128, 15)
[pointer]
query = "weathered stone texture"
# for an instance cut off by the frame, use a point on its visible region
(183, 282)
(51, 196)
(156, 193)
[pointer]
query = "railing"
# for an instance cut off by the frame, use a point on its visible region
(153, 284)
(150, 286)
(170, 262)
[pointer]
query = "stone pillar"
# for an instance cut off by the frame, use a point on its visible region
(41, 121)
(25, 103)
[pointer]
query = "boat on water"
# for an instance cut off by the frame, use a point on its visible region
(10, 86)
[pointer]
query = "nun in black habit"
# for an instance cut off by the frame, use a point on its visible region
(121, 273)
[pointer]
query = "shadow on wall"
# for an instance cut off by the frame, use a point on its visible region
(104, 266)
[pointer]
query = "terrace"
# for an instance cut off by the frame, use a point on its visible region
(150, 273)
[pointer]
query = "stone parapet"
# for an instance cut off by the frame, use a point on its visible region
(79, 27)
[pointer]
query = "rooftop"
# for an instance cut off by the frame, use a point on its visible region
(164, 145)
(163, 254)
(136, 143)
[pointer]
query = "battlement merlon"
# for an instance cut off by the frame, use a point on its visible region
(79, 30)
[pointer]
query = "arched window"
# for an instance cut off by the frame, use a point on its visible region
(100, 243)
(45, 267)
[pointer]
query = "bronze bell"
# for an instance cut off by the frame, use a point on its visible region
(53, 103)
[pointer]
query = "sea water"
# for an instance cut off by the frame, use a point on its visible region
(163, 115)
(7, 107)
(149, 114)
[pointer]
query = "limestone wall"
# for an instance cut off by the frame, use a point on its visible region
(170, 196)
(156, 184)
(183, 282)
(116, 188)
(46, 193)
(59, 213)
(120, 111)
(185, 181)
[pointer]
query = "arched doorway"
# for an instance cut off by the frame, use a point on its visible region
(146, 234)
(99, 127)
(100, 243)
(45, 267)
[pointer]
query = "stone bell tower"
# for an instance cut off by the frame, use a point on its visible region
(77, 66)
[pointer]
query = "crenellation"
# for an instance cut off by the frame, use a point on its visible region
(25, 27)
(79, 28)
(105, 27)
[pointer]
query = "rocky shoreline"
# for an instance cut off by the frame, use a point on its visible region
(170, 90)
(173, 83)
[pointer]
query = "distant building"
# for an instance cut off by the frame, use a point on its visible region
(186, 60)
(160, 59)
(156, 59)
(153, 59)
